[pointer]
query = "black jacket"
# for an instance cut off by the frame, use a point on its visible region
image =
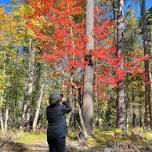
(56, 120)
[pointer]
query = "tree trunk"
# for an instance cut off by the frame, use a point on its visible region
(2, 99)
(88, 71)
(133, 109)
(148, 119)
(85, 133)
(6, 118)
(1, 121)
(28, 87)
(38, 105)
(42, 75)
(141, 114)
(97, 107)
(121, 106)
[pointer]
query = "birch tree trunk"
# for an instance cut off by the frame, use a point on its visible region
(121, 103)
(147, 119)
(2, 99)
(28, 87)
(38, 106)
(6, 117)
(42, 78)
(88, 71)
(1, 121)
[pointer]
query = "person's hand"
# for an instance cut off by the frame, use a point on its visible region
(66, 103)
(63, 99)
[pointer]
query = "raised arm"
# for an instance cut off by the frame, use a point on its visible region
(47, 113)
(66, 107)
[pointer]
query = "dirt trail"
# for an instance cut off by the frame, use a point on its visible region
(38, 147)
(43, 147)
(72, 146)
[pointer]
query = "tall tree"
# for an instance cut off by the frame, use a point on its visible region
(148, 115)
(88, 71)
(28, 86)
(121, 103)
(42, 79)
(10, 39)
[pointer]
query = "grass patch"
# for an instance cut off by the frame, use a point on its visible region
(31, 137)
(136, 136)
(72, 135)
(98, 138)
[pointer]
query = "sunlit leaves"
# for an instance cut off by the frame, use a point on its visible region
(58, 26)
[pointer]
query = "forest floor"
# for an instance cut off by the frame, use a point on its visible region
(136, 140)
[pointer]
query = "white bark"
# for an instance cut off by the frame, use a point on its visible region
(38, 106)
(29, 86)
(2, 94)
(1, 121)
(6, 118)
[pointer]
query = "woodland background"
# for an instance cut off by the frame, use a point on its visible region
(96, 52)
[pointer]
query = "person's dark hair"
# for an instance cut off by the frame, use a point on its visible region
(55, 97)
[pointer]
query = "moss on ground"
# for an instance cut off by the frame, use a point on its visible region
(136, 136)
(31, 137)
(99, 137)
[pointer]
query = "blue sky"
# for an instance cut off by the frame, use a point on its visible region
(4, 1)
(136, 5)
(148, 2)
(128, 4)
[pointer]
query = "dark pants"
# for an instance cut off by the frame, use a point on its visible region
(57, 145)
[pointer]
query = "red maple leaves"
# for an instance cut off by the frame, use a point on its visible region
(65, 36)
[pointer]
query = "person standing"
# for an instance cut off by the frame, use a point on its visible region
(57, 129)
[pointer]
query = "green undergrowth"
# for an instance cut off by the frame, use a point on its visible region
(31, 137)
(136, 136)
(100, 137)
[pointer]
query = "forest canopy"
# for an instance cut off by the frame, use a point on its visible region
(97, 53)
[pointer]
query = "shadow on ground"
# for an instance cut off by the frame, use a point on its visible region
(6, 145)
(9, 146)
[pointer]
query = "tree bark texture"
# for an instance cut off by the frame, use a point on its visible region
(88, 71)
(121, 103)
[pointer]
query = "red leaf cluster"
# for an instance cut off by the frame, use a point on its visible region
(67, 38)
